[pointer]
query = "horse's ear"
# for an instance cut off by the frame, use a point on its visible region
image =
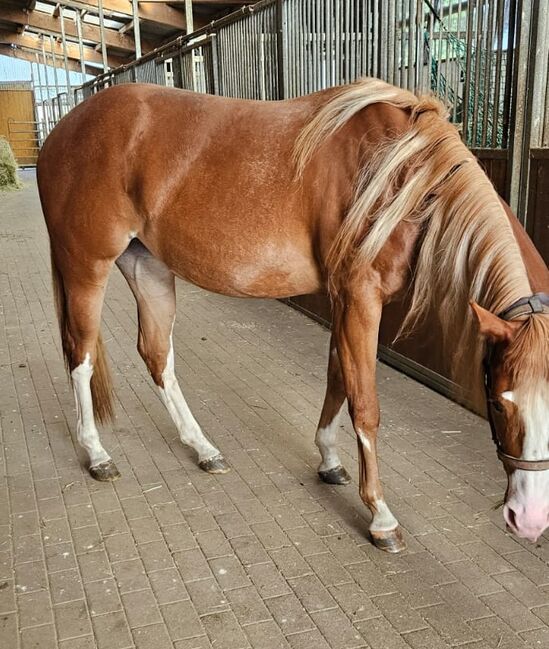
(491, 327)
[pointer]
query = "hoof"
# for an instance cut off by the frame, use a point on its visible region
(391, 541)
(337, 475)
(215, 464)
(105, 472)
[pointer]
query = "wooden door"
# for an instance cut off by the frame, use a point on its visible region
(17, 123)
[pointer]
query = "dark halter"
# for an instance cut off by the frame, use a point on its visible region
(526, 306)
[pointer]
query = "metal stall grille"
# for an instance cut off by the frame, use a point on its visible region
(461, 50)
(247, 53)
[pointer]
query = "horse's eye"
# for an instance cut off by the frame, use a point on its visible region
(496, 405)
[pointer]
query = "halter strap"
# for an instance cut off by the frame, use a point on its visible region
(526, 306)
(525, 465)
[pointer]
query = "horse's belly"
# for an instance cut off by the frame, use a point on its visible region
(265, 270)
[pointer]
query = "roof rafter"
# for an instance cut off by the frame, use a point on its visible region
(47, 24)
(30, 55)
(161, 14)
(34, 42)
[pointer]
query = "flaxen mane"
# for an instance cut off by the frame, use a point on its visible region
(468, 251)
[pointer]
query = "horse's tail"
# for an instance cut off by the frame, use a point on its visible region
(101, 383)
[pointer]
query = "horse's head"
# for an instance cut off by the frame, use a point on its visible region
(517, 392)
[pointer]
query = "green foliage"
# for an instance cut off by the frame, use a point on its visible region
(8, 167)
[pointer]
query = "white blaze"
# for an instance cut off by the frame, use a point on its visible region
(531, 488)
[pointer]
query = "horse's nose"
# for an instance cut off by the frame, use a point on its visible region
(526, 521)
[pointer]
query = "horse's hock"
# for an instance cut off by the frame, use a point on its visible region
(266, 556)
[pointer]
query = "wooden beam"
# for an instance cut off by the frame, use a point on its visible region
(33, 42)
(42, 22)
(29, 55)
(159, 13)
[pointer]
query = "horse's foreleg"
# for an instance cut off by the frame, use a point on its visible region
(356, 326)
(153, 286)
(331, 469)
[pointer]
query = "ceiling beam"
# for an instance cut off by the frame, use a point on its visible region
(30, 55)
(45, 24)
(160, 13)
(34, 42)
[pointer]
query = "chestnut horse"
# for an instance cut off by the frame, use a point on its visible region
(363, 190)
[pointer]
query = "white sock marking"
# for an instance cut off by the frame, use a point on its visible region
(326, 440)
(189, 429)
(383, 520)
(86, 431)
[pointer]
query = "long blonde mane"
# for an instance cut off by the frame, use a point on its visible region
(467, 250)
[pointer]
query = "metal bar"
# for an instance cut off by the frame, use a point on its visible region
(467, 82)
(215, 64)
(499, 56)
(281, 46)
(78, 20)
(65, 56)
(55, 77)
(137, 29)
(488, 85)
(102, 36)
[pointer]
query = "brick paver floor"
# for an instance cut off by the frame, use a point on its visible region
(266, 556)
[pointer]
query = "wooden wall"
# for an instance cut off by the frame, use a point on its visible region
(538, 205)
(17, 123)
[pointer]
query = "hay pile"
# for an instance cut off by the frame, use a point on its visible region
(8, 167)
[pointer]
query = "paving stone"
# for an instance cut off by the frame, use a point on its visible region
(289, 614)
(266, 635)
(94, 565)
(65, 586)
(399, 613)
(337, 629)
(130, 575)
(248, 606)
(308, 639)
(224, 631)
(510, 610)
(289, 562)
(168, 586)
(34, 609)
(229, 573)
(429, 639)
(181, 620)
(111, 631)
(141, 608)
(267, 580)
(207, 596)
(60, 557)
(249, 550)
(38, 637)
(102, 597)
(71, 619)
(200, 642)
(192, 565)
(151, 636)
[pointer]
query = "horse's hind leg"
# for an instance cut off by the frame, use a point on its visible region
(153, 286)
(80, 295)
(331, 469)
